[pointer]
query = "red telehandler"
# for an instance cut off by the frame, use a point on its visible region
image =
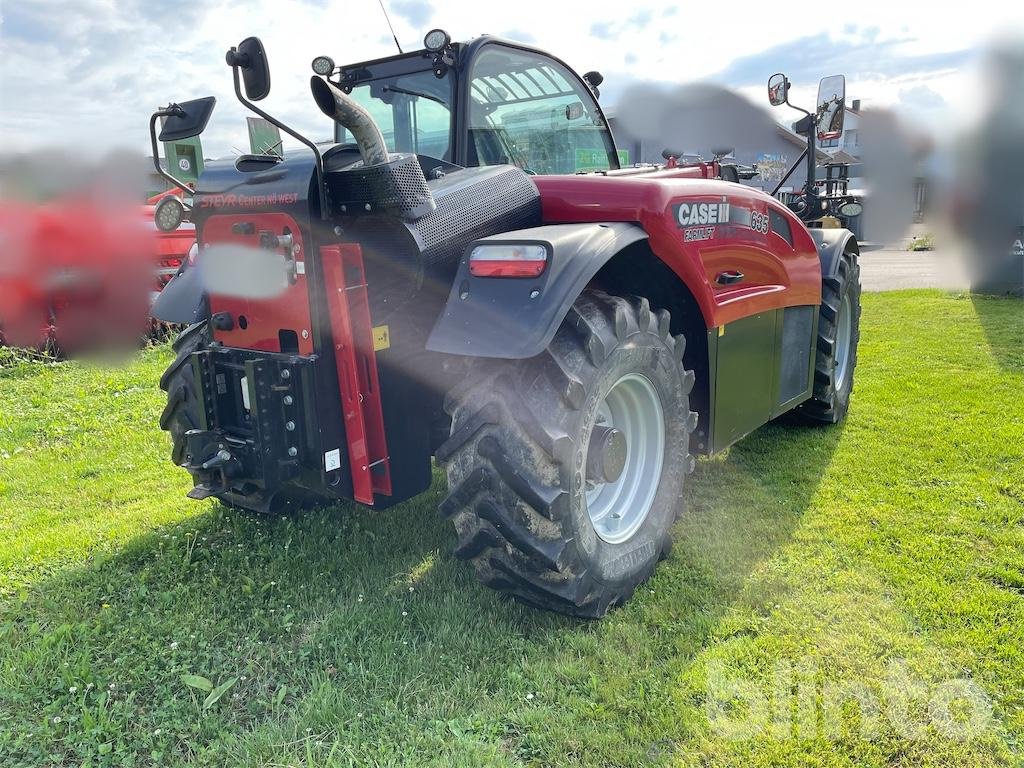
(465, 274)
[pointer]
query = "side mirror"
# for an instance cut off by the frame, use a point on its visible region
(593, 79)
(831, 107)
(250, 57)
(778, 89)
(187, 120)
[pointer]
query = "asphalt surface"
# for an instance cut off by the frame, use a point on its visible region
(890, 270)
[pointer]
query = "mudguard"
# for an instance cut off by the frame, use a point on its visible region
(831, 245)
(182, 300)
(516, 318)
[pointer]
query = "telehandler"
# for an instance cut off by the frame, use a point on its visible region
(465, 274)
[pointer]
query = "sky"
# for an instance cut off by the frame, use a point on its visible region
(86, 74)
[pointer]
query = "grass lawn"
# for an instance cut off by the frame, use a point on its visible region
(848, 596)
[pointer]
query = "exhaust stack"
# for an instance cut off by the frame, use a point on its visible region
(345, 110)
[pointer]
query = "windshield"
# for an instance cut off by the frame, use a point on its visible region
(412, 110)
(529, 110)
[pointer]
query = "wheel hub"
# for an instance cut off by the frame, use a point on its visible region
(606, 454)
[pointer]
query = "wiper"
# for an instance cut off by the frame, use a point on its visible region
(393, 89)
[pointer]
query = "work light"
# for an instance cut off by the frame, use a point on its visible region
(436, 40)
(323, 65)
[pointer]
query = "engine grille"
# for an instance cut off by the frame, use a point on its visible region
(397, 188)
(471, 204)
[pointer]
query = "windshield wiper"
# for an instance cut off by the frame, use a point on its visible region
(393, 89)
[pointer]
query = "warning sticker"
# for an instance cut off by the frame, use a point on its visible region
(381, 338)
(332, 460)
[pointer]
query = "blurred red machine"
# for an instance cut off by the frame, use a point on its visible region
(78, 274)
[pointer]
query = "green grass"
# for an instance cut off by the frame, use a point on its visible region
(886, 554)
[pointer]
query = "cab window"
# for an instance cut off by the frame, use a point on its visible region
(412, 110)
(530, 111)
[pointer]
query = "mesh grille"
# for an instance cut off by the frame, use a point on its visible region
(397, 188)
(493, 200)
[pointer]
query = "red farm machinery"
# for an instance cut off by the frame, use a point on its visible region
(466, 276)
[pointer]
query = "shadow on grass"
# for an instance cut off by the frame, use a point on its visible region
(361, 625)
(1002, 320)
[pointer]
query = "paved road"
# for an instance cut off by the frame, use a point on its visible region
(890, 270)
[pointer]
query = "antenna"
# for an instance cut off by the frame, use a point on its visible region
(393, 35)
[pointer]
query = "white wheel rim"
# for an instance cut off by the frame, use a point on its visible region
(618, 509)
(844, 332)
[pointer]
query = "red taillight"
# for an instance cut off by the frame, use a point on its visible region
(508, 260)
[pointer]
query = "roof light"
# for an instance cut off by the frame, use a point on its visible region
(323, 65)
(436, 40)
(508, 260)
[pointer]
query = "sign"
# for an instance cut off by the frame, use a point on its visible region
(264, 137)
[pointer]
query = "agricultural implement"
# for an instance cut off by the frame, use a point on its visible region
(466, 275)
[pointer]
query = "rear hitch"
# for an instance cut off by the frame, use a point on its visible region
(210, 460)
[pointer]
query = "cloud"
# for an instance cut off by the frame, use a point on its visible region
(860, 56)
(921, 97)
(416, 12)
(91, 71)
(519, 36)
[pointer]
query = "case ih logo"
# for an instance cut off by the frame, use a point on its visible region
(248, 201)
(691, 214)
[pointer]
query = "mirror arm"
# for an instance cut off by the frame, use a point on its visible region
(789, 173)
(172, 110)
(324, 213)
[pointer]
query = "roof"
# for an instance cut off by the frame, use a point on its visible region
(801, 142)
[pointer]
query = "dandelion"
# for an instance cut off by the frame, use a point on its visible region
(529, 696)
(157, 732)
(112, 686)
(73, 689)
(405, 613)
(57, 719)
(412, 589)
(174, 645)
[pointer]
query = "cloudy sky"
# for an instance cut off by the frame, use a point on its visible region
(89, 72)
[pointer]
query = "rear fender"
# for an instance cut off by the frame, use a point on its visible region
(182, 300)
(516, 318)
(832, 243)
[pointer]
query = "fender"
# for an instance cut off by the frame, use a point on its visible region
(182, 300)
(516, 318)
(832, 243)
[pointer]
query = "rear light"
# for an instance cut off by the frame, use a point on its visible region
(508, 260)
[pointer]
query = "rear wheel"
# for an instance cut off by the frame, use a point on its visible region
(566, 470)
(182, 410)
(836, 353)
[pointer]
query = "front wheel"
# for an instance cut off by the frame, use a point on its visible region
(566, 471)
(836, 349)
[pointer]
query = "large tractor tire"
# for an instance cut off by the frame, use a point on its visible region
(838, 335)
(566, 471)
(182, 410)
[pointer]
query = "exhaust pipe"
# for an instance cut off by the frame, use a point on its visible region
(347, 112)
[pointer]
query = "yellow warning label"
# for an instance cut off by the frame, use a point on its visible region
(721, 330)
(381, 338)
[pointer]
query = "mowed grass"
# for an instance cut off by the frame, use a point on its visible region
(846, 596)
